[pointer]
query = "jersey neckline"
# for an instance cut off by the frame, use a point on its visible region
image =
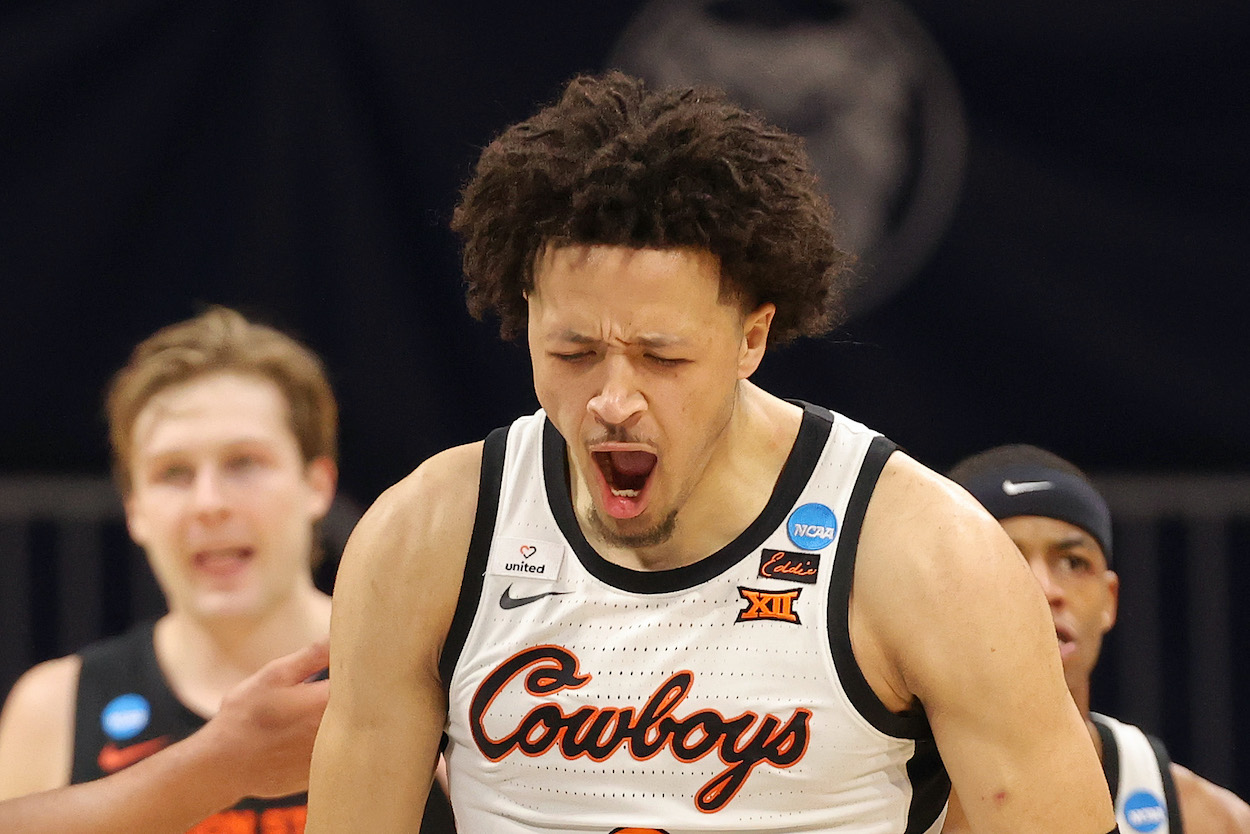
(813, 432)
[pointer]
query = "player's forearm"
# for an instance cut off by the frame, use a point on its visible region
(367, 780)
(166, 793)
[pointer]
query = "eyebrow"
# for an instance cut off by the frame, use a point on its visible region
(1075, 540)
(655, 340)
(234, 444)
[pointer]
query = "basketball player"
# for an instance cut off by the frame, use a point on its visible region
(670, 601)
(1062, 526)
(223, 439)
(258, 744)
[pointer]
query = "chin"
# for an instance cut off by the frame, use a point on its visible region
(228, 605)
(1077, 671)
(634, 533)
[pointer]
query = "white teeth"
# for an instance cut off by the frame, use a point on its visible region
(625, 493)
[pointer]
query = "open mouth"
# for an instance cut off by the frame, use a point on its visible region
(626, 474)
(222, 561)
(1067, 642)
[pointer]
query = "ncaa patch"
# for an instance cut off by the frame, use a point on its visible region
(125, 716)
(1144, 811)
(796, 567)
(812, 526)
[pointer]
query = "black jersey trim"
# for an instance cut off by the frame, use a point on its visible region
(912, 724)
(125, 663)
(1169, 784)
(930, 787)
(1110, 757)
(1111, 768)
(489, 485)
(813, 432)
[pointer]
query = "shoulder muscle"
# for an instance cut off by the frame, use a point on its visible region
(37, 728)
(931, 557)
(401, 570)
(1206, 808)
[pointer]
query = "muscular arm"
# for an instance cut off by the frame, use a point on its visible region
(946, 613)
(394, 599)
(258, 745)
(1206, 808)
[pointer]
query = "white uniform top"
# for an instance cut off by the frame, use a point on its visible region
(1140, 778)
(720, 696)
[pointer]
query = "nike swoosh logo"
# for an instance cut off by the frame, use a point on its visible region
(113, 758)
(1017, 487)
(508, 602)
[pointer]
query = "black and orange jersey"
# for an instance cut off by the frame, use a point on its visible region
(126, 711)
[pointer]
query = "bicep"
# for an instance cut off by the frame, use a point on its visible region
(1007, 728)
(37, 729)
(379, 735)
(965, 631)
(376, 751)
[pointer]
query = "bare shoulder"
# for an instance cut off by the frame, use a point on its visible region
(400, 573)
(912, 498)
(432, 506)
(929, 558)
(394, 601)
(946, 614)
(37, 728)
(1206, 808)
(927, 536)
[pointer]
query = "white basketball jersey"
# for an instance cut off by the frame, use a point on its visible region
(720, 696)
(1139, 774)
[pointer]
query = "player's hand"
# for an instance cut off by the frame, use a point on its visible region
(263, 736)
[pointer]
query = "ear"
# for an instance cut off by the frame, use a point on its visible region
(1113, 606)
(755, 338)
(136, 522)
(322, 476)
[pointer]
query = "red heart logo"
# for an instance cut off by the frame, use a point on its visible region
(528, 550)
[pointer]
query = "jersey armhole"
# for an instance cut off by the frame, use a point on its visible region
(912, 725)
(1110, 757)
(489, 486)
(1169, 784)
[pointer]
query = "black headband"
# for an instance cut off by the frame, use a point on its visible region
(1032, 489)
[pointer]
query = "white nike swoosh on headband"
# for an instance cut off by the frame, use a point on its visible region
(1017, 487)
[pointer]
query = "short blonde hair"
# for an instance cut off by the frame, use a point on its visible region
(221, 339)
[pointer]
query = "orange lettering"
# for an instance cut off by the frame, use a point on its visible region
(781, 564)
(794, 570)
(228, 822)
(283, 820)
(767, 605)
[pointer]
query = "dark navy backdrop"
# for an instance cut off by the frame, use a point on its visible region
(299, 159)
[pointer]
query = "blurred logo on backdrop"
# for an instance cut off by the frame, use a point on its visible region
(860, 80)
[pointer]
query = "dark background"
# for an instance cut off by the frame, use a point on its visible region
(299, 160)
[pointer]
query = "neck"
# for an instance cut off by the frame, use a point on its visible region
(205, 657)
(1079, 688)
(732, 490)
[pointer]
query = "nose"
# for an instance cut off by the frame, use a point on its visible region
(619, 402)
(1050, 587)
(208, 496)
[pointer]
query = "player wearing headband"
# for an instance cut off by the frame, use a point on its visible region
(1062, 526)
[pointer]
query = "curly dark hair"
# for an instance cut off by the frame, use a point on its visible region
(615, 163)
